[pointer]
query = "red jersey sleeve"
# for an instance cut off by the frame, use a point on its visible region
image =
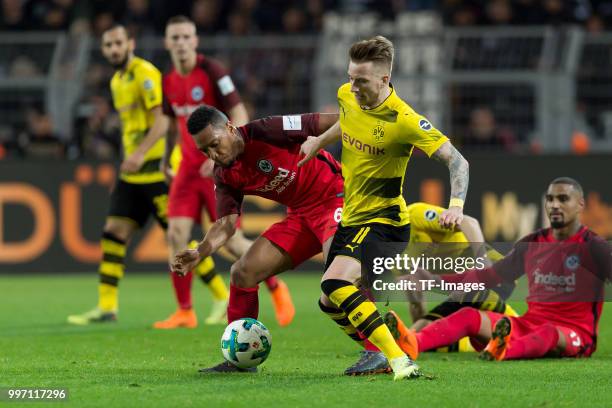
(225, 90)
(167, 107)
(284, 130)
(229, 199)
(166, 104)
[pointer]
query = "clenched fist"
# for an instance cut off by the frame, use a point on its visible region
(451, 217)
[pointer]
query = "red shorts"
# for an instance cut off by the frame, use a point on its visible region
(190, 192)
(575, 342)
(302, 233)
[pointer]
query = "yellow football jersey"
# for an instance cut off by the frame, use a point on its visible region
(376, 146)
(425, 225)
(135, 92)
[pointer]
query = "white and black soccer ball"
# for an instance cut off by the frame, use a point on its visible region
(246, 343)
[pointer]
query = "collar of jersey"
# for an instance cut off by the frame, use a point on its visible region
(383, 103)
(572, 238)
(130, 65)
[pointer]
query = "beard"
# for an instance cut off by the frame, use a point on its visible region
(121, 63)
(558, 223)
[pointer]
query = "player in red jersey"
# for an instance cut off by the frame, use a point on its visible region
(193, 81)
(566, 266)
(261, 159)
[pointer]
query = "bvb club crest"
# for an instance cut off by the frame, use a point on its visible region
(378, 133)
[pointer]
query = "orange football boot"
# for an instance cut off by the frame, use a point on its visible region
(283, 305)
(500, 338)
(181, 318)
(404, 337)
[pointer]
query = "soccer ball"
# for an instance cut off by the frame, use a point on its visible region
(246, 343)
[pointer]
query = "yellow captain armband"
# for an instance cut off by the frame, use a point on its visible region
(456, 202)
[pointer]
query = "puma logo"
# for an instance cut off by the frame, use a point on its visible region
(352, 248)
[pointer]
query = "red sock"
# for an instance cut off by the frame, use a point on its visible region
(243, 302)
(367, 344)
(271, 283)
(533, 345)
(182, 289)
(464, 322)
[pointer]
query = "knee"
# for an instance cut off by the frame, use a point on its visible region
(328, 286)
(468, 312)
(117, 231)
(241, 276)
(326, 305)
(477, 322)
(177, 237)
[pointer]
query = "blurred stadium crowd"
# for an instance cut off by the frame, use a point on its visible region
(97, 127)
(245, 17)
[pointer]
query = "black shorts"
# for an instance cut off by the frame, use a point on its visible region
(138, 201)
(348, 241)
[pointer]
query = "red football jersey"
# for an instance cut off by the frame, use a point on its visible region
(268, 167)
(208, 83)
(566, 279)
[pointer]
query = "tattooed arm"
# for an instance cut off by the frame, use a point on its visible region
(459, 170)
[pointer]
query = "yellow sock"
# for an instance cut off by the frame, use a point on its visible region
(341, 319)
(110, 271)
(216, 285)
(108, 299)
(490, 301)
(465, 345)
(509, 311)
(363, 315)
(218, 289)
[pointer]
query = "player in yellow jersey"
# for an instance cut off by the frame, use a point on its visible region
(140, 190)
(424, 228)
(378, 132)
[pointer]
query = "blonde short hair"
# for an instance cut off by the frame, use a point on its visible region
(376, 49)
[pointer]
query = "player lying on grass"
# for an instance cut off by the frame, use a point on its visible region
(378, 131)
(194, 80)
(466, 237)
(261, 159)
(566, 267)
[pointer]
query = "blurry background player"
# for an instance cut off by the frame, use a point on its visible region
(140, 190)
(425, 228)
(566, 267)
(261, 159)
(195, 80)
(378, 132)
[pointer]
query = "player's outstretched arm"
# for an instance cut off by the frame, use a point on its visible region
(473, 233)
(133, 162)
(313, 144)
(459, 170)
(171, 136)
(218, 234)
(238, 115)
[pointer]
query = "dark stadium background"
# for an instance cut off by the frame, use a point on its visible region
(523, 88)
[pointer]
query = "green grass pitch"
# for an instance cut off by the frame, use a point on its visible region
(129, 364)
